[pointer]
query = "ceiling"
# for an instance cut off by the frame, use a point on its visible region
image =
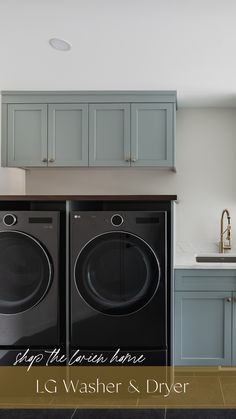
(183, 45)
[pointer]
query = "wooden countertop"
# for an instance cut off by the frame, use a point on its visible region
(88, 197)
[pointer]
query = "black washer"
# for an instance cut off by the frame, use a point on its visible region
(29, 280)
(119, 282)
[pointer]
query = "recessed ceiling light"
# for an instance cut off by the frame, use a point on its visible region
(60, 44)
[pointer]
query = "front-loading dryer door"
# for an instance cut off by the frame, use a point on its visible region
(25, 272)
(117, 273)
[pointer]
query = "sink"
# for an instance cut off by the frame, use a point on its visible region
(220, 258)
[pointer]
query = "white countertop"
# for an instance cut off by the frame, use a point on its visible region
(185, 257)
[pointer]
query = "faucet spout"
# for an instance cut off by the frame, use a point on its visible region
(223, 245)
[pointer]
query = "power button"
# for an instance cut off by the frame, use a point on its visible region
(9, 220)
(117, 220)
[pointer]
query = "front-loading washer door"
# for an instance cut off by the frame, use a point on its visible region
(25, 272)
(117, 273)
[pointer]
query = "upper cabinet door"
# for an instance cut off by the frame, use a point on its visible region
(68, 135)
(152, 134)
(27, 135)
(109, 134)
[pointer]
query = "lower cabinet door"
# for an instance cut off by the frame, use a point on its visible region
(203, 328)
(234, 331)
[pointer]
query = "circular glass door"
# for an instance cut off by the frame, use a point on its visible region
(25, 272)
(117, 273)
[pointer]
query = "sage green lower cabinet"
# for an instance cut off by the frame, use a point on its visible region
(202, 329)
(109, 134)
(68, 135)
(205, 317)
(27, 135)
(152, 133)
(234, 331)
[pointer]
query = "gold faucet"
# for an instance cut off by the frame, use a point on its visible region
(224, 246)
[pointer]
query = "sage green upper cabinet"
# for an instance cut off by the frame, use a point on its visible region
(152, 136)
(68, 135)
(27, 135)
(147, 141)
(47, 135)
(88, 128)
(109, 135)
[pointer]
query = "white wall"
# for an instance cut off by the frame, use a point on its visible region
(185, 45)
(204, 182)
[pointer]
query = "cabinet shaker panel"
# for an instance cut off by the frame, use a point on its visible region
(109, 134)
(27, 135)
(68, 135)
(203, 328)
(152, 134)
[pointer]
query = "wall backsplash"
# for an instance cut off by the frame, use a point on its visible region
(12, 181)
(204, 182)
